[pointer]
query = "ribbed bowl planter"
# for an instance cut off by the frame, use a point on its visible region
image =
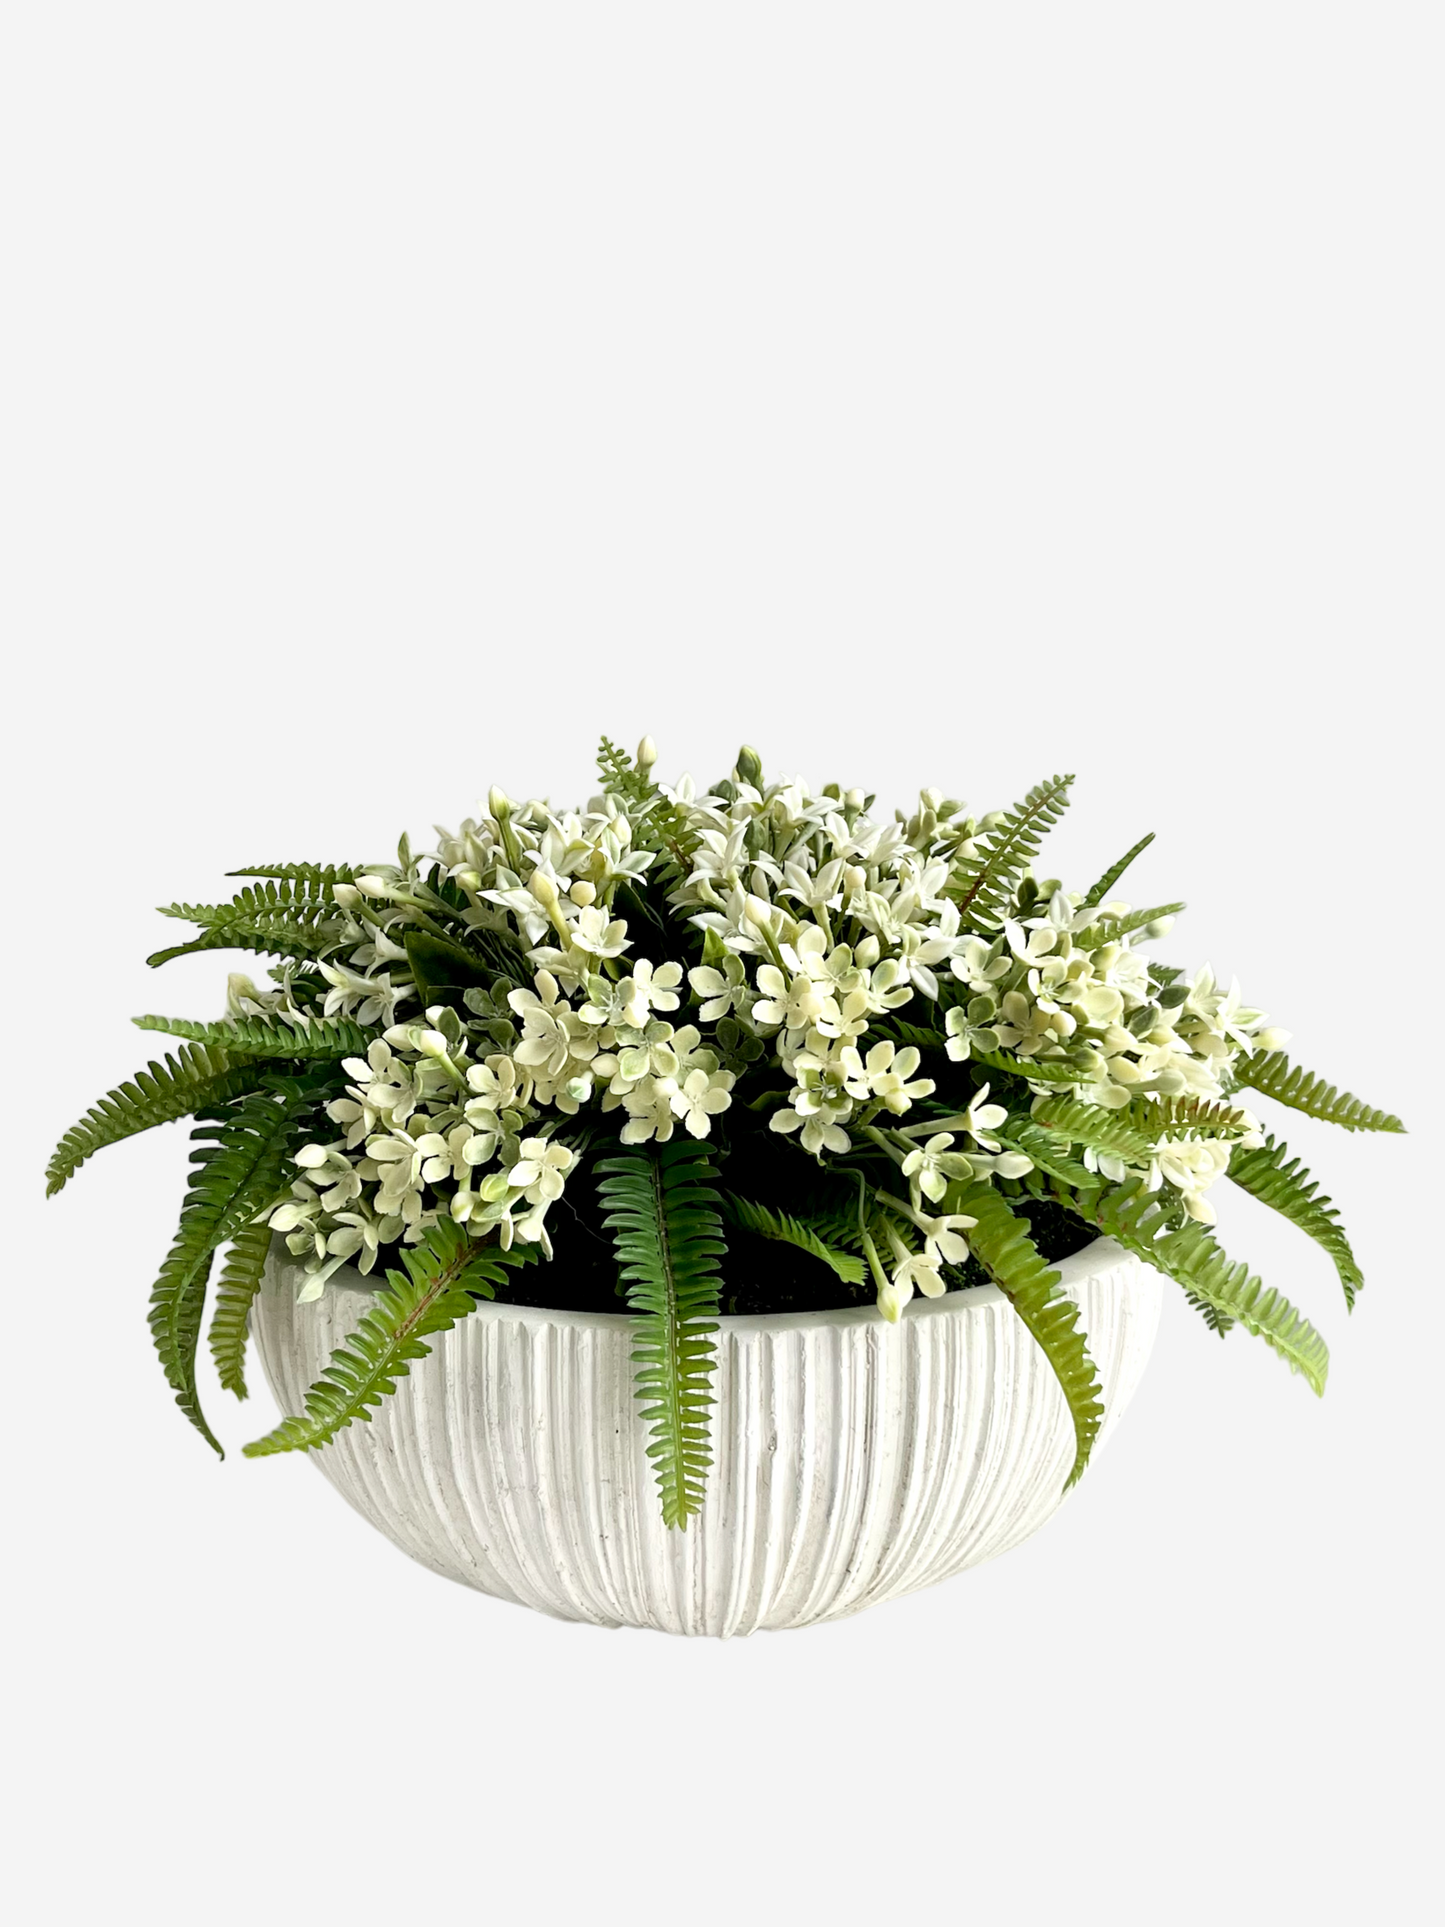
(852, 1460)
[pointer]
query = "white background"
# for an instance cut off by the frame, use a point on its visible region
(394, 398)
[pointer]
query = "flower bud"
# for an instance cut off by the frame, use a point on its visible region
(758, 913)
(1160, 927)
(371, 886)
(346, 895)
(583, 894)
(544, 889)
(498, 804)
(750, 767)
(646, 754)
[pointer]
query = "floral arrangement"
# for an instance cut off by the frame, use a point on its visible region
(703, 1027)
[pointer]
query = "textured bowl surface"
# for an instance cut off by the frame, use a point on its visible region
(852, 1460)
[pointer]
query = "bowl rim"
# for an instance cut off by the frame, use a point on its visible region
(1100, 1255)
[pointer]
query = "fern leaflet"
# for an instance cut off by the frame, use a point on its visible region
(270, 1037)
(664, 1215)
(1001, 1243)
(1274, 1076)
(321, 877)
(1037, 1070)
(196, 1079)
(1099, 893)
(238, 1284)
(1110, 929)
(439, 1285)
(1139, 1221)
(1289, 1189)
(764, 1223)
(1007, 851)
(1079, 1123)
(238, 1168)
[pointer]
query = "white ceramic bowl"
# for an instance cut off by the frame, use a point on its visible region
(852, 1460)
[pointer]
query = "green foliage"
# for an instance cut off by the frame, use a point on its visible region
(321, 877)
(1274, 1076)
(238, 1284)
(777, 1225)
(1037, 1070)
(283, 918)
(664, 1214)
(238, 1169)
(1090, 1124)
(1100, 892)
(1001, 1243)
(196, 1079)
(1289, 1189)
(1007, 850)
(658, 825)
(270, 1036)
(442, 1278)
(442, 971)
(1047, 1153)
(1111, 929)
(1138, 1220)
(1165, 1117)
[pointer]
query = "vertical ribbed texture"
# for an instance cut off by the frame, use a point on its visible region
(852, 1460)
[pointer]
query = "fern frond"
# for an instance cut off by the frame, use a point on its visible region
(1007, 851)
(664, 1215)
(1037, 1070)
(1110, 929)
(270, 1037)
(1138, 1220)
(196, 1079)
(322, 877)
(1001, 1243)
(776, 1225)
(1047, 1153)
(1289, 1189)
(441, 1279)
(1160, 1117)
(1079, 1123)
(1111, 876)
(238, 1168)
(1274, 1076)
(238, 1284)
(288, 918)
(662, 825)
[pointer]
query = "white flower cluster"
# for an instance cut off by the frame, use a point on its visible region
(814, 925)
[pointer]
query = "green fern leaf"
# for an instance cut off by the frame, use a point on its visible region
(1111, 929)
(238, 1169)
(1007, 851)
(664, 1215)
(1047, 1153)
(1274, 1076)
(1139, 1220)
(776, 1225)
(270, 1037)
(286, 918)
(321, 877)
(1165, 1117)
(439, 1286)
(194, 1080)
(1111, 876)
(1090, 1124)
(1288, 1189)
(237, 1286)
(1001, 1243)
(1036, 1070)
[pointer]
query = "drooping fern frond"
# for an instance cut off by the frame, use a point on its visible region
(1139, 1220)
(1006, 851)
(270, 1037)
(236, 1287)
(1078, 1123)
(1001, 1243)
(776, 1225)
(664, 1214)
(1289, 1189)
(196, 1079)
(1100, 891)
(442, 1278)
(238, 1168)
(1274, 1076)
